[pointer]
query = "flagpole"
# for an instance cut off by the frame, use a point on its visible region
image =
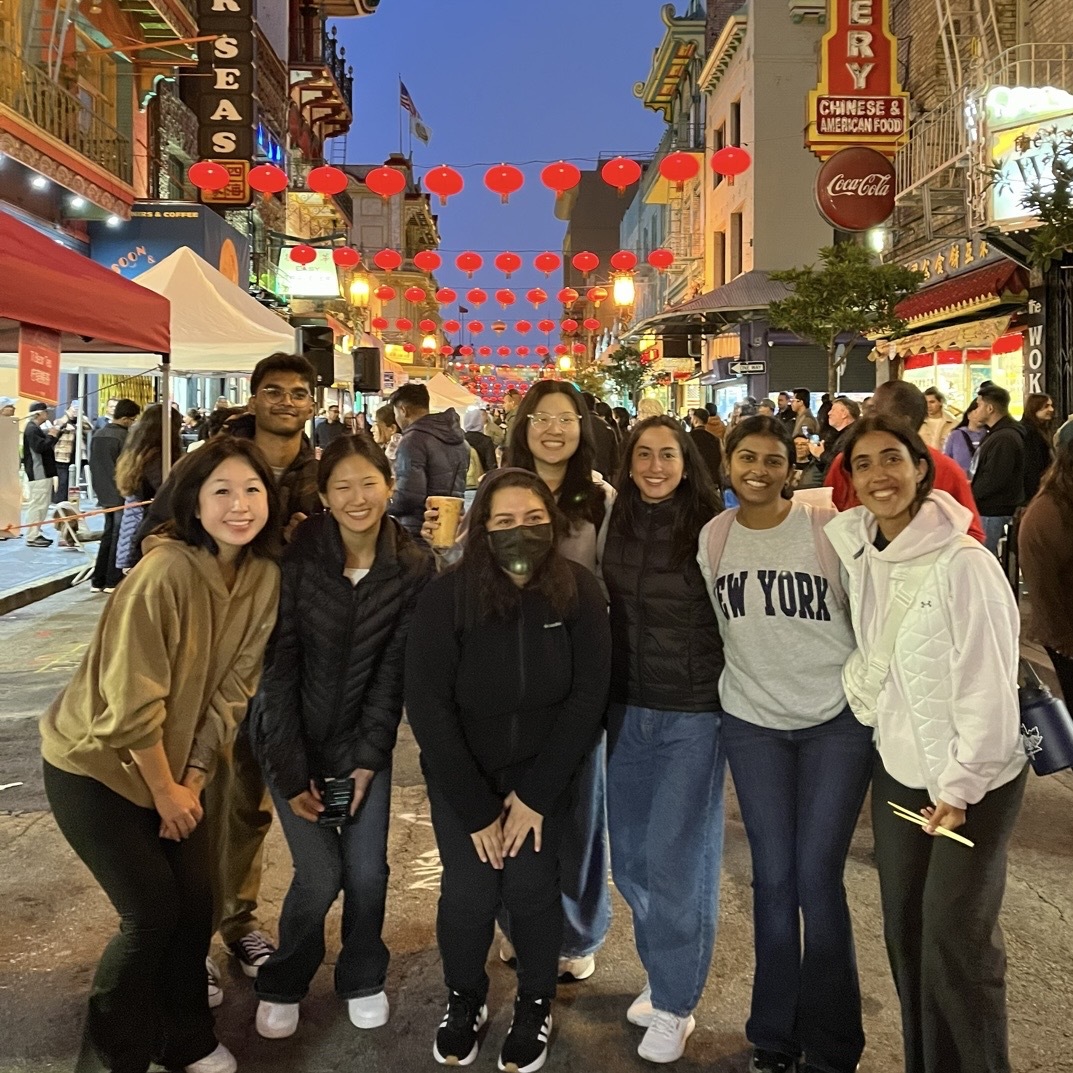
(400, 113)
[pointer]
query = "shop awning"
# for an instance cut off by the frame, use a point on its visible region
(968, 335)
(984, 288)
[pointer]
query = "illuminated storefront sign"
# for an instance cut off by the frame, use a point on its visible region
(318, 279)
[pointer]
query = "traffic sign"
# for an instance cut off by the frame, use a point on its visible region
(748, 368)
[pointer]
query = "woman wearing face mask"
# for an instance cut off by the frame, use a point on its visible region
(665, 767)
(799, 759)
(330, 706)
(936, 676)
(501, 750)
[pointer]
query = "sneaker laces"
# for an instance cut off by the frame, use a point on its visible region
(665, 1025)
(462, 1013)
(529, 1014)
(256, 945)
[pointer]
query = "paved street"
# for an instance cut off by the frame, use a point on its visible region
(55, 922)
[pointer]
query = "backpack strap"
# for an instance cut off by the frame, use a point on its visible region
(830, 564)
(718, 532)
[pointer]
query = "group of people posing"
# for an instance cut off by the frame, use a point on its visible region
(577, 681)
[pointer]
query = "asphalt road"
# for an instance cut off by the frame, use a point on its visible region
(54, 922)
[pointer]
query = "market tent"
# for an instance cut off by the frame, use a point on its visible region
(444, 393)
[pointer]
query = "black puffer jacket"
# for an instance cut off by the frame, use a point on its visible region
(666, 651)
(331, 695)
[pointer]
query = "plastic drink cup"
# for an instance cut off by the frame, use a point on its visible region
(450, 514)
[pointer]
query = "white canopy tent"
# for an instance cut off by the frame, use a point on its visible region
(444, 393)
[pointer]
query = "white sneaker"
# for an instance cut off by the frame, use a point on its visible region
(216, 991)
(665, 1040)
(640, 1011)
(276, 1020)
(507, 952)
(369, 1012)
(578, 968)
(220, 1061)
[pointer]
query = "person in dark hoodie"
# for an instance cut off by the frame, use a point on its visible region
(604, 440)
(105, 446)
(432, 458)
(329, 708)
(500, 751)
(998, 467)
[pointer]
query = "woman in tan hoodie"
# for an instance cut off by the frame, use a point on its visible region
(129, 745)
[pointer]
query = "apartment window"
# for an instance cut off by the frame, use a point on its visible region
(735, 244)
(719, 139)
(734, 129)
(719, 259)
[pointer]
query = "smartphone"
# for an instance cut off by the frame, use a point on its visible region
(336, 794)
(814, 438)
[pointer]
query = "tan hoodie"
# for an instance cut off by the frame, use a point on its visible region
(175, 658)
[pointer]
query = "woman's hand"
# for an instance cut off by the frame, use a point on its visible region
(943, 815)
(362, 777)
(521, 819)
(307, 805)
(430, 524)
(489, 843)
(179, 809)
(194, 779)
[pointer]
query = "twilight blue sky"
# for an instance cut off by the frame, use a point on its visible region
(504, 81)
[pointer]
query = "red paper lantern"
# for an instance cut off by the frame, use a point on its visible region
(508, 263)
(444, 182)
(731, 160)
(522, 351)
(445, 296)
(303, 254)
(414, 294)
(580, 348)
(385, 181)
(346, 257)
(452, 326)
(409, 347)
(541, 350)
(596, 295)
(547, 262)
(560, 177)
(503, 351)
(404, 324)
(446, 350)
(504, 180)
(469, 262)
(427, 260)
(388, 260)
(679, 168)
(624, 261)
(569, 325)
(661, 259)
(326, 180)
(207, 175)
(379, 323)
(505, 297)
(546, 326)
(476, 297)
(466, 351)
(537, 296)
(591, 324)
(267, 179)
(427, 326)
(620, 173)
(384, 293)
(568, 296)
(562, 349)
(485, 351)
(585, 262)
(476, 327)
(523, 327)
(535, 365)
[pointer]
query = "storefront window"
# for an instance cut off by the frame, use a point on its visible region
(958, 374)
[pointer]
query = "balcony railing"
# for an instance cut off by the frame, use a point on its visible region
(312, 47)
(34, 96)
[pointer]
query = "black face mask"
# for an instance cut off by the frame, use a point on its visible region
(522, 549)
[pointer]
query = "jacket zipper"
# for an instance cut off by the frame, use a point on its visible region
(351, 611)
(521, 678)
(641, 604)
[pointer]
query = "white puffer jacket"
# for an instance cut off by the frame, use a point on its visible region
(947, 716)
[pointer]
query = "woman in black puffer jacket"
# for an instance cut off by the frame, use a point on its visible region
(329, 709)
(665, 766)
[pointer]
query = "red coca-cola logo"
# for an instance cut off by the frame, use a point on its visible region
(855, 189)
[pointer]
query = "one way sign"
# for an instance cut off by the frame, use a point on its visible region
(748, 368)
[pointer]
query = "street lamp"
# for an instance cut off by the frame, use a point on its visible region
(359, 291)
(623, 290)
(565, 364)
(428, 343)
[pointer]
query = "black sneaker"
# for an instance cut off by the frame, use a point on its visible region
(456, 1039)
(772, 1062)
(526, 1045)
(252, 950)
(39, 542)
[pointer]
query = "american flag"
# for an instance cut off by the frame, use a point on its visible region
(406, 101)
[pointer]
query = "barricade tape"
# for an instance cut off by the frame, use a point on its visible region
(65, 519)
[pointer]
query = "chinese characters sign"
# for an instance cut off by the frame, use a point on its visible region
(39, 364)
(964, 255)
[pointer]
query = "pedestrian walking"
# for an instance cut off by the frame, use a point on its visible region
(501, 752)
(800, 760)
(964, 441)
(937, 426)
(105, 446)
(999, 466)
(935, 676)
(665, 768)
(1038, 423)
(473, 429)
(39, 461)
(707, 443)
(71, 424)
(386, 431)
(329, 429)
(129, 744)
(326, 722)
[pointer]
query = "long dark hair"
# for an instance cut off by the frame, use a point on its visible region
(971, 408)
(696, 500)
(761, 425)
(907, 435)
(579, 498)
(487, 592)
(1058, 480)
(1031, 419)
(141, 449)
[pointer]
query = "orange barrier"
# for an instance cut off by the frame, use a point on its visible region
(66, 518)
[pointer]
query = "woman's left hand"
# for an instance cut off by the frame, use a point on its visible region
(362, 777)
(521, 819)
(943, 815)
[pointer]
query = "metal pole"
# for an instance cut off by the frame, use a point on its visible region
(78, 427)
(165, 405)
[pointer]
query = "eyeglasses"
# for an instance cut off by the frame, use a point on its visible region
(543, 421)
(277, 394)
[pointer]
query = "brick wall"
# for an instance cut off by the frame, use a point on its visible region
(1049, 20)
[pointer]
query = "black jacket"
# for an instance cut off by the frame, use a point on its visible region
(432, 460)
(104, 447)
(998, 482)
(38, 452)
(326, 432)
(505, 706)
(1038, 457)
(711, 450)
(666, 650)
(607, 447)
(485, 448)
(331, 695)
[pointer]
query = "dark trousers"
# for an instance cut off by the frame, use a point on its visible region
(105, 573)
(470, 891)
(1063, 669)
(800, 792)
(148, 1001)
(327, 860)
(941, 903)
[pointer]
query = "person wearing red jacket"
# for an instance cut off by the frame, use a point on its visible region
(896, 398)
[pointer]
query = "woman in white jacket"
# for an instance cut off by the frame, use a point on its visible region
(936, 675)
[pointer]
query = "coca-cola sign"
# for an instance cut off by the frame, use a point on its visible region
(855, 189)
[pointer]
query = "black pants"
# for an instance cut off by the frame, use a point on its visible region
(148, 1001)
(1063, 668)
(105, 573)
(941, 903)
(470, 892)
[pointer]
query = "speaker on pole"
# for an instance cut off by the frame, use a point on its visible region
(367, 370)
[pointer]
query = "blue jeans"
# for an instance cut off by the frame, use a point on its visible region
(327, 860)
(994, 527)
(800, 793)
(665, 776)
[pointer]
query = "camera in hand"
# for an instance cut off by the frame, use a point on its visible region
(335, 795)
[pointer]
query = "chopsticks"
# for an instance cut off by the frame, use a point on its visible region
(912, 817)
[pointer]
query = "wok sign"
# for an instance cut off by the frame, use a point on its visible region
(39, 364)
